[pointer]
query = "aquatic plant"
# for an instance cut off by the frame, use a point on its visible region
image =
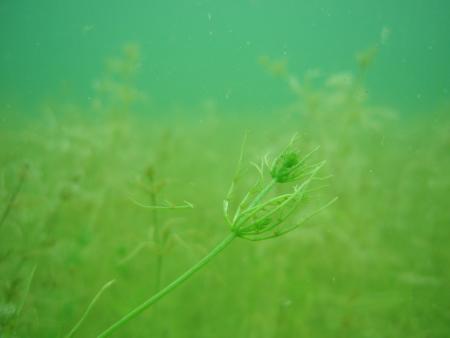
(89, 308)
(340, 97)
(13, 196)
(116, 91)
(257, 217)
(158, 236)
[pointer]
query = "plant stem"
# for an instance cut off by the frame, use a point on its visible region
(133, 313)
(159, 245)
(263, 192)
(222, 245)
(89, 308)
(157, 237)
(13, 197)
(27, 290)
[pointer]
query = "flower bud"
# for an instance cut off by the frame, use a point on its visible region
(287, 167)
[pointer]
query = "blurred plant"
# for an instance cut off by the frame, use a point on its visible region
(116, 90)
(13, 196)
(26, 291)
(89, 308)
(159, 233)
(340, 97)
(258, 217)
(12, 299)
(15, 288)
(158, 236)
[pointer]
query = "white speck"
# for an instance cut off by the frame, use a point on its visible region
(209, 16)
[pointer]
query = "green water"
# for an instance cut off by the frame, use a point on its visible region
(110, 106)
(198, 50)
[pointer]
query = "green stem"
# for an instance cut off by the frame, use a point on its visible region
(157, 234)
(263, 193)
(13, 197)
(254, 203)
(133, 313)
(159, 245)
(89, 308)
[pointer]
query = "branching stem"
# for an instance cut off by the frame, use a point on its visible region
(205, 260)
(12, 198)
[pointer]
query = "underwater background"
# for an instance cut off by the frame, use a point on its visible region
(110, 106)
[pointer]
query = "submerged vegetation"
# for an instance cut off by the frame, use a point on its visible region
(256, 217)
(91, 194)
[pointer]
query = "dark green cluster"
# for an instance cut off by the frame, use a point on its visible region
(287, 167)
